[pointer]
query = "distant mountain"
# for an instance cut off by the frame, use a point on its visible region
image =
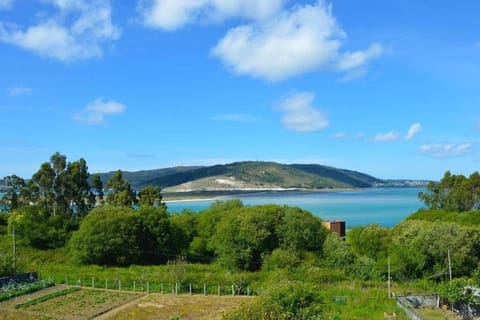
(248, 175)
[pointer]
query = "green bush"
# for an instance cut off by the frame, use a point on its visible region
(288, 300)
(281, 259)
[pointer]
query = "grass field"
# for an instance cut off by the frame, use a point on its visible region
(346, 300)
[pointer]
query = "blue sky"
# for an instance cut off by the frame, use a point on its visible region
(389, 88)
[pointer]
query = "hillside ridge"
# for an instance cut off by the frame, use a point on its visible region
(253, 175)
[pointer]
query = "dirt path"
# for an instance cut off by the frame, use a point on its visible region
(109, 313)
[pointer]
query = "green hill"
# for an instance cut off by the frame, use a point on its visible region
(248, 175)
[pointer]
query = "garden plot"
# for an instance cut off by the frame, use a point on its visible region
(80, 304)
(170, 306)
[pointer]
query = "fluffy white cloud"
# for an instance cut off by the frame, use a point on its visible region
(415, 129)
(445, 150)
(6, 4)
(77, 32)
(304, 39)
(300, 115)
(19, 91)
(95, 112)
(389, 136)
(173, 14)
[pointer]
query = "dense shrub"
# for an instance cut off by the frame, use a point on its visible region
(245, 235)
(108, 236)
(36, 227)
(420, 248)
(288, 300)
(120, 235)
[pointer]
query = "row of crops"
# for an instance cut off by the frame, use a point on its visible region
(13, 289)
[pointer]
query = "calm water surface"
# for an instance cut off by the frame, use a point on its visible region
(383, 206)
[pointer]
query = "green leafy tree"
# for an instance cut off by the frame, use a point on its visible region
(244, 236)
(150, 196)
(205, 223)
(120, 192)
(453, 193)
(371, 240)
(60, 187)
(38, 228)
(120, 235)
(108, 236)
(423, 246)
(78, 192)
(98, 187)
(158, 239)
(43, 179)
(299, 230)
(185, 231)
(12, 199)
(337, 253)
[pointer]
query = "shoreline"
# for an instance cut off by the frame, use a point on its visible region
(217, 194)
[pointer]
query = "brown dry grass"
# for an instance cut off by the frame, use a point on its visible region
(185, 307)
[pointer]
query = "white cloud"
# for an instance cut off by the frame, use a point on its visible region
(304, 39)
(19, 91)
(6, 4)
(340, 136)
(360, 135)
(445, 150)
(171, 15)
(78, 31)
(95, 112)
(300, 115)
(389, 136)
(353, 60)
(415, 129)
(234, 117)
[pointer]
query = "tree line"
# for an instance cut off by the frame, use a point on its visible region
(49, 206)
(63, 206)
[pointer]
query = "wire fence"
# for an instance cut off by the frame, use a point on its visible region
(144, 286)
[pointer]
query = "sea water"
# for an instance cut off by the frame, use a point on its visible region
(383, 206)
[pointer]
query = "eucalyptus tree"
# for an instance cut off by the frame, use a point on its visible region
(11, 199)
(150, 196)
(61, 187)
(97, 185)
(453, 193)
(119, 191)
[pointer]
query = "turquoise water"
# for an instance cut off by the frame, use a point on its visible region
(383, 206)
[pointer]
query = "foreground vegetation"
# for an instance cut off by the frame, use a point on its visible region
(115, 238)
